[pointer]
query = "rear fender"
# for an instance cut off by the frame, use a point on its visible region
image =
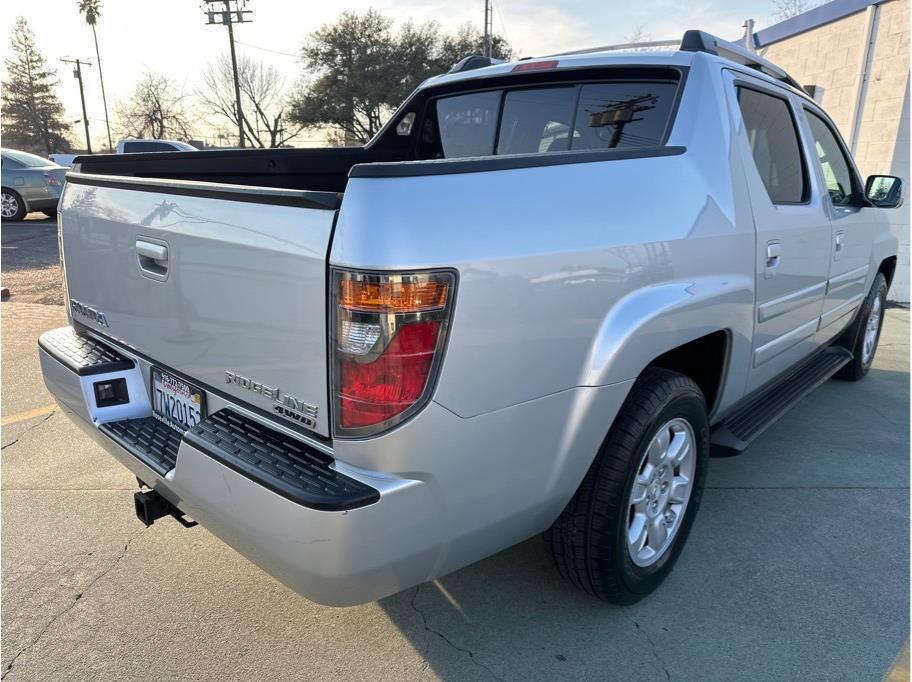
(653, 320)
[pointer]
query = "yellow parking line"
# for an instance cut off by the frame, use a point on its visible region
(900, 668)
(28, 414)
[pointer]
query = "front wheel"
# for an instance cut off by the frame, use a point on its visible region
(12, 208)
(622, 532)
(867, 331)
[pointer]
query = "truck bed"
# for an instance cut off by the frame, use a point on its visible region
(317, 169)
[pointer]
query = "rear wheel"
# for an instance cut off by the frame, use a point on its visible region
(866, 331)
(12, 208)
(622, 532)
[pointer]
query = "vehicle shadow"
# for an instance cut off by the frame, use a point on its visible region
(511, 616)
(777, 580)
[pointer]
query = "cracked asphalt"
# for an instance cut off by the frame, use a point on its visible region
(797, 567)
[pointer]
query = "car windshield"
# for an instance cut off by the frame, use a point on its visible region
(28, 160)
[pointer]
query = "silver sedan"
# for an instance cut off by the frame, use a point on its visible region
(30, 183)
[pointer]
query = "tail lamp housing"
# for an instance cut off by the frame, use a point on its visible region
(389, 331)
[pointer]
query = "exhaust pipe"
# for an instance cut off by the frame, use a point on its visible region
(151, 506)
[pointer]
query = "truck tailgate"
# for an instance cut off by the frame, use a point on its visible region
(224, 284)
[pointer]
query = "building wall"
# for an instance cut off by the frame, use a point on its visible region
(831, 57)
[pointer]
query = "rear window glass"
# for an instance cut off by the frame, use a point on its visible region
(536, 120)
(622, 114)
(27, 160)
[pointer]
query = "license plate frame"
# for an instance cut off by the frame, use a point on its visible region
(165, 387)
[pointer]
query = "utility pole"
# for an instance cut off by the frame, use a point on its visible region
(229, 17)
(77, 73)
(488, 28)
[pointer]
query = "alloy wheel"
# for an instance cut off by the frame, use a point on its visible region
(660, 492)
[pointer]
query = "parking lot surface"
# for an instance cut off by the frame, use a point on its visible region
(797, 566)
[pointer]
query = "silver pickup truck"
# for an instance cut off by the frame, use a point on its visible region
(534, 303)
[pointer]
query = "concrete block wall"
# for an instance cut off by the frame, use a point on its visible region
(830, 56)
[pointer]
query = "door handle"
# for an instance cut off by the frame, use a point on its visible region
(838, 245)
(156, 252)
(773, 252)
(153, 259)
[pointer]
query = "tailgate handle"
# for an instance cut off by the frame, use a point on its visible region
(153, 259)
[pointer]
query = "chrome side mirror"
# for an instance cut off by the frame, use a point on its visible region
(884, 191)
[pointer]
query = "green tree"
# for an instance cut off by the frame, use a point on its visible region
(33, 116)
(91, 10)
(362, 70)
(466, 41)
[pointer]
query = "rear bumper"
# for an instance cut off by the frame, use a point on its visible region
(378, 542)
(40, 199)
(451, 490)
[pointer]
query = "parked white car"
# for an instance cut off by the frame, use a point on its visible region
(132, 146)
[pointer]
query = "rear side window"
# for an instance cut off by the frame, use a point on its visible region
(556, 118)
(774, 145)
(143, 147)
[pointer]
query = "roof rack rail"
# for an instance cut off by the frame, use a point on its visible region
(473, 61)
(619, 46)
(700, 41)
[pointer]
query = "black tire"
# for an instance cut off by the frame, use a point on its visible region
(20, 205)
(588, 541)
(854, 338)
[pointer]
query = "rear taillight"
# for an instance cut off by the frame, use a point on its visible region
(389, 331)
(51, 180)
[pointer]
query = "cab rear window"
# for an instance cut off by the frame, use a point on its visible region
(606, 115)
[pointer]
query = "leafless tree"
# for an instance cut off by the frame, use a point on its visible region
(786, 9)
(264, 106)
(638, 35)
(157, 109)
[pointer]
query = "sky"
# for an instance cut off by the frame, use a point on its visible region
(171, 36)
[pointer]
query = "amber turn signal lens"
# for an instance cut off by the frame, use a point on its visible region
(392, 296)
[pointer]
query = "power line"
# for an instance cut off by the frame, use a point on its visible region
(503, 24)
(266, 49)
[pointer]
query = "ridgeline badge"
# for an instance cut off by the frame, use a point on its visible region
(285, 405)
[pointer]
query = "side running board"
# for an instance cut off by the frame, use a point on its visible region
(749, 420)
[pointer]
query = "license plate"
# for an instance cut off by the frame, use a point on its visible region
(175, 402)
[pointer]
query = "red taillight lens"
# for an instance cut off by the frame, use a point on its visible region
(376, 391)
(51, 180)
(389, 331)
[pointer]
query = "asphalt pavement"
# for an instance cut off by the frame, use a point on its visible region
(797, 566)
(31, 266)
